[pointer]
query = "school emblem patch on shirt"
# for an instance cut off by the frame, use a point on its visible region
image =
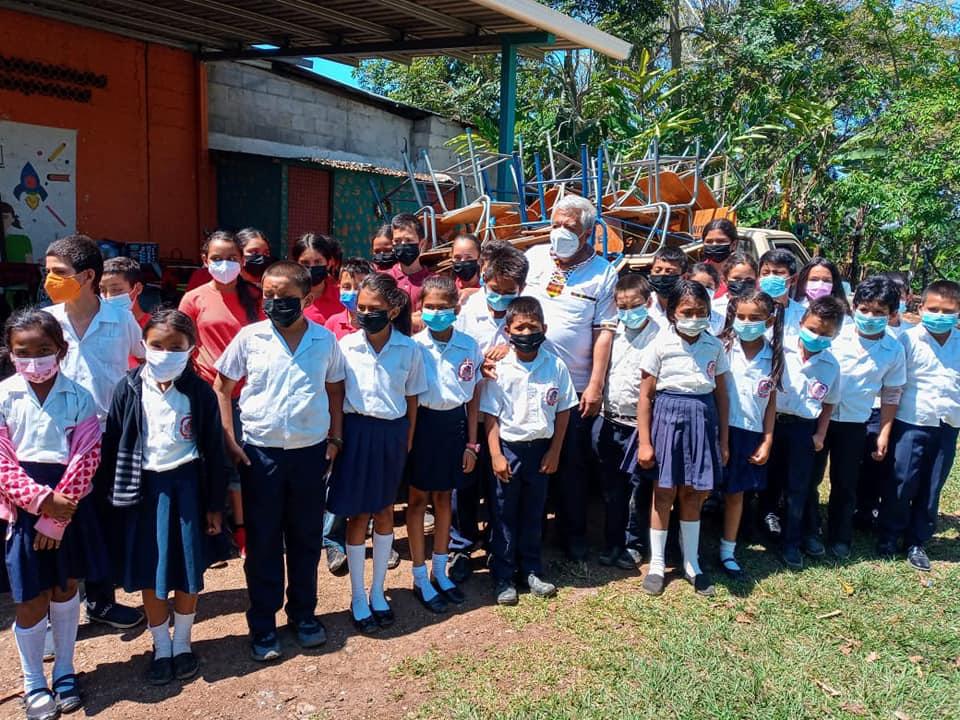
(712, 369)
(818, 391)
(553, 396)
(186, 427)
(764, 387)
(466, 370)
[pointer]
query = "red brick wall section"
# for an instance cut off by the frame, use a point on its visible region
(138, 139)
(308, 202)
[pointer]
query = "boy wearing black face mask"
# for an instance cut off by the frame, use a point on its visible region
(287, 447)
(408, 243)
(669, 266)
(526, 410)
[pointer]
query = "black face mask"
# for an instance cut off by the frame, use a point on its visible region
(664, 284)
(717, 253)
(373, 321)
(318, 273)
(527, 343)
(385, 260)
(736, 288)
(466, 269)
(407, 253)
(284, 311)
(255, 264)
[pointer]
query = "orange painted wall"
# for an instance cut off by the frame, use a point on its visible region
(142, 172)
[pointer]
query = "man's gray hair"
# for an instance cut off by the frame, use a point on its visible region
(580, 205)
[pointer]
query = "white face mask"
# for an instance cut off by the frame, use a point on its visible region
(224, 271)
(564, 242)
(121, 302)
(166, 366)
(691, 327)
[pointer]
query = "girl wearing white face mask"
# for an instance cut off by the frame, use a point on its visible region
(166, 478)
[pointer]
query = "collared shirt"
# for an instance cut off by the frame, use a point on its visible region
(807, 385)
(326, 304)
(718, 319)
(412, 285)
(749, 386)
(284, 401)
(378, 384)
(477, 321)
(622, 390)
(573, 309)
(170, 441)
(452, 369)
(866, 366)
(526, 397)
(684, 367)
(932, 391)
(340, 324)
(42, 433)
(793, 315)
(99, 359)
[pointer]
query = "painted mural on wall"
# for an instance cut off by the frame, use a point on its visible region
(38, 187)
(355, 217)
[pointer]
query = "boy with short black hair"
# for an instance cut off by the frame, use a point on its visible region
(526, 411)
(778, 273)
(924, 436)
(670, 264)
(409, 241)
(121, 284)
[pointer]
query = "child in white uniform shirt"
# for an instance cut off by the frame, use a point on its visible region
(872, 366)
(291, 412)
(445, 447)
(707, 275)
(924, 437)
(778, 274)
(526, 410)
(626, 496)
(809, 390)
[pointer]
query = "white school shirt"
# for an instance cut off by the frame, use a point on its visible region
(622, 389)
(793, 315)
(284, 401)
(42, 433)
(932, 391)
(377, 384)
(586, 303)
(807, 385)
(866, 366)
(749, 386)
(684, 367)
(526, 397)
(717, 321)
(476, 321)
(170, 439)
(100, 359)
(452, 369)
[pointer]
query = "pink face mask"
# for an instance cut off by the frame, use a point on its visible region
(37, 370)
(817, 289)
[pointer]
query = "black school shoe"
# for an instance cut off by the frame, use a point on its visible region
(367, 625)
(702, 584)
(160, 671)
(384, 618)
(453, 596)
(437, 605)
(918, 558)
(185, 665)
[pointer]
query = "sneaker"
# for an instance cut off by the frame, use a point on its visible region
(813, 547)
(160, 671)
(337, 561)
(394, 560)
(506, 593)
(653, 584)
(701, 584)
(918, 558)
(772, 523)
(240, 540)
(540, 588)
(49, 649)
(841, 551)
(115, 615)
(265, 647)
(185, 665)
(40, 704)
(792, 558)
(460, 568)
(429, 522)
(310, 633)
(67, 690)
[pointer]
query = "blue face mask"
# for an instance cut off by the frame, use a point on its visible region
(774, 285)
(439, 320)
(812, 342)
(748, 330)
(903, 307)
(634, 317)
(869, 324)
(497, 301)
(348, 298)
(939, 323)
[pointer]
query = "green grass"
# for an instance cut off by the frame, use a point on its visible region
(869, 638)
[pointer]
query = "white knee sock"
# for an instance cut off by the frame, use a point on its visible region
(182, 628)
(658, 549)
(30, 646)
(690, 541)
(162, 647)
(440, 572)
(422, 581)
(382, 545)
(64, 619)
(356, 557)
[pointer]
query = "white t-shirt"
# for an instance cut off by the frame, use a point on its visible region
(866, 366)
(170, 440)
(452, 369)
(377, 384)
(807, 385)
(684, 367)
(932, 390)
(622, 390)
(749, 386)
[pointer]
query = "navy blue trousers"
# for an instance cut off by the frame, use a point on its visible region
(465, 501)
(922, 458)
(577, 466)
(791, 472)
(626, 496)
(843, 446)
(518, 508)
(284, 493)
(874, 476)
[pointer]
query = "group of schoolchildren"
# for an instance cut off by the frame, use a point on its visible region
(308, 397)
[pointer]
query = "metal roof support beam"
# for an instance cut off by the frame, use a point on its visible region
(508, 113)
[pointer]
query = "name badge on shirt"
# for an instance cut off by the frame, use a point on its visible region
(818, 391)
(553, 396)
(466, 371)
(185, 428)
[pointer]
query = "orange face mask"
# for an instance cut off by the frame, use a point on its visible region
(62, 289)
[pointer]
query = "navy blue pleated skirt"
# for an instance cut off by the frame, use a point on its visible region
(741, 475)
(368, 471)
(82, 553)
(436, 461)
(164, 542)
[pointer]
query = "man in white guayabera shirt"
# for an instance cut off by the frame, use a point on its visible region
(576, 288)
